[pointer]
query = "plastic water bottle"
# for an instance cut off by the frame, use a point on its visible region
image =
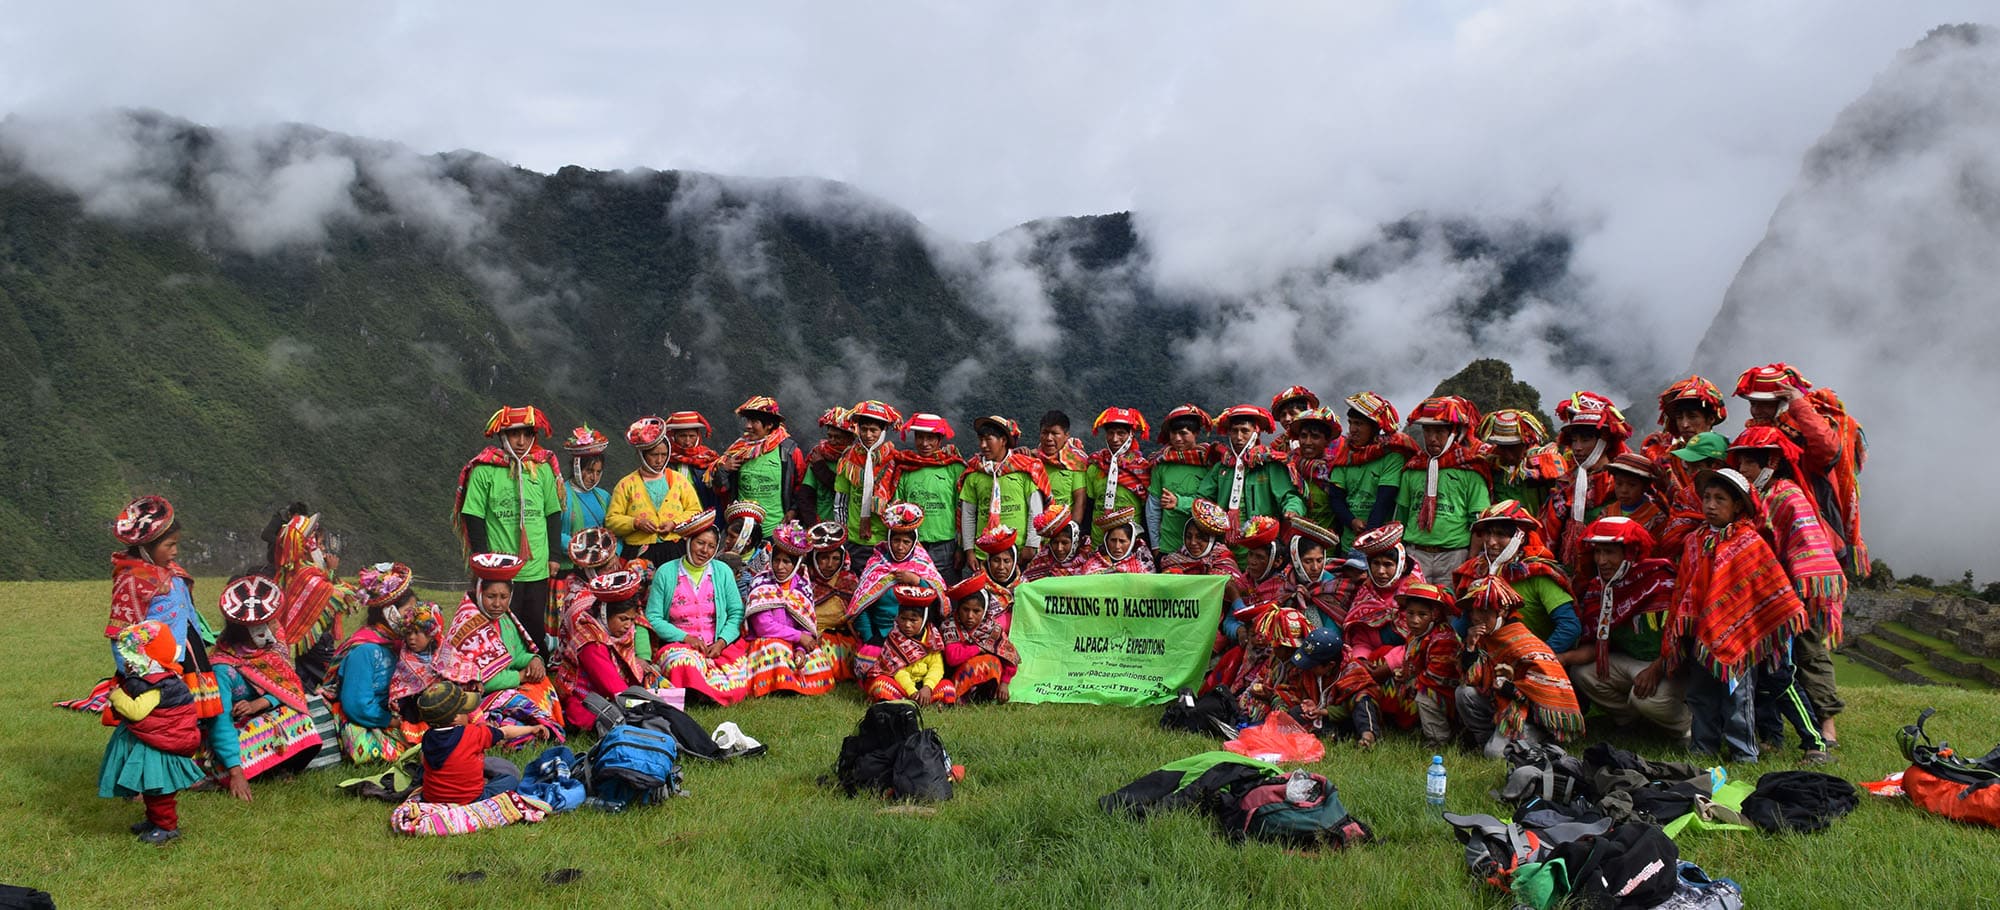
(1434, 783)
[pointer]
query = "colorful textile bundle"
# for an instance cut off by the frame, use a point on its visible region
(422, 819)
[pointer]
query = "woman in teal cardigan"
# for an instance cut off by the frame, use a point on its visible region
(696, 615)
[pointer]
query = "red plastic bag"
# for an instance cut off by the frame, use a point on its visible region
(1278, 739)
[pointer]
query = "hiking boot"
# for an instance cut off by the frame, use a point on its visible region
(1816, 757)
(159, 836)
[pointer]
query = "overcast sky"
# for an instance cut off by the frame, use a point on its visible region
(1250, 139)
(1249, 136)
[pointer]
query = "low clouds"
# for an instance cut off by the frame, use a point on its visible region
(1255, 145)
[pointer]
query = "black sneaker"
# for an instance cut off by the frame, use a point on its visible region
(142, 826)
(159, 836)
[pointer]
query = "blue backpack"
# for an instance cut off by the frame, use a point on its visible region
(632, 765)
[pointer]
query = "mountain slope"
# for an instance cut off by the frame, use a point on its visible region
(1877, 277)
(239, 319)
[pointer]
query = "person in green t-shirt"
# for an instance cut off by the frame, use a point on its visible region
(1119, 474)
(510, 500)
(928, 476)
(764, 465)
(823, 462)
(1367, 466)
(1311, 434)
(1444, 486)
(864, 485)
(1002, 486)
(1250, 479)
(1617, 663)
(1063, 462)
(1506, 436)
(1178, 473)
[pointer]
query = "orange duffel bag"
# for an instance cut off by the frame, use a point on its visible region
(1942, 782)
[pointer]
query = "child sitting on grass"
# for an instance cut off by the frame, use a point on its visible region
(978, 659)
(912, 662)
(456, 768)
(151, 753)
(1514, 687)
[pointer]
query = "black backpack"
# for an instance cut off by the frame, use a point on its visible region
(1542, 773)
(1632, 867)
(922, 769)
(868, 760)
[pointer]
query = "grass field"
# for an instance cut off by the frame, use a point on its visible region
(1024, 831)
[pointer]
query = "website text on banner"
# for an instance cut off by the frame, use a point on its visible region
(1114, 639)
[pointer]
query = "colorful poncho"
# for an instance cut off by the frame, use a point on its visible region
(899, 650)
(1372, 610)
(879, 575)
(1734, 598)
(1809, 553)
(135, 581)
(1845, 475)
(1216, 560)
(313, 599)
(1233, 474)
(1137, 560)
(1531, 560)
(987, 637)
(1540, 682)
(1641, 595)
(583, 625)
(1046, 565)
(473, 648)
(268, 669)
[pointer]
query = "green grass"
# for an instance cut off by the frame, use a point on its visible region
(1940, 646)
(1853, 674)
(1024, 830)
(1916, 661)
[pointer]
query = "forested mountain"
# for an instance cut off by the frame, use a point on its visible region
(242, 319)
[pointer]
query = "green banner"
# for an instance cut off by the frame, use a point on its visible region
(1114, 639)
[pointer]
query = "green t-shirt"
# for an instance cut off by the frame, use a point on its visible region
(935, 489)
(1362, 481)
(1639, 636)
(1184, 481)
(1017, 490)
(1094, 491)
(492, 497)
(822, 493)
(864, 529)
(1527, 494)
(1540, 598)
(1267, 490)
(1063, 484)
(1462, 495)
(761, 480)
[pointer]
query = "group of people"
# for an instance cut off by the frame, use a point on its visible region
(1458, 574)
